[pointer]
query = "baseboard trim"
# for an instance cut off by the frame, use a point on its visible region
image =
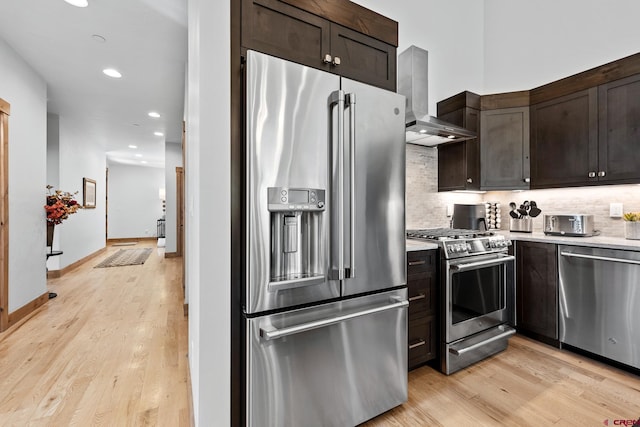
(171, 255)
(55, 274)
(132, 239)
(27, 309)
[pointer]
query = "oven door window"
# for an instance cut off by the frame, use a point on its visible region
(477, 292)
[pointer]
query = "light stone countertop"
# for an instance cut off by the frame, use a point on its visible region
(420, 245)
(594, 242)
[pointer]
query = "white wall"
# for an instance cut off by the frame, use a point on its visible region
(208, 218)
(26, 92)
(134, 202)
(83, 233)
(452, 32)
(172, 159)
(528, 44)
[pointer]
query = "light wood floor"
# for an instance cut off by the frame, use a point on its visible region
(529, 384)
(110, 350)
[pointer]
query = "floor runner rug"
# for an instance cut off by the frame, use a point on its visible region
(126, 257)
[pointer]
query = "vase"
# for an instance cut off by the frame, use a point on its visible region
(632, 230)
(50, 229)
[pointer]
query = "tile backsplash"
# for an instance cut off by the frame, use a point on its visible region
(426, 208)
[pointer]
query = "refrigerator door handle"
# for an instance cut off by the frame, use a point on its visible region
(351, 101)
(272, 333)
(338, 98)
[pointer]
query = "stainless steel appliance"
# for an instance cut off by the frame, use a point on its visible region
(413, 82)
(575, 225)
(477, 294)
(469, 217)
(599, 300)
(325, 302)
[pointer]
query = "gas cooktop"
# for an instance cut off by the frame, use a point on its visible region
(446, 234)
(459, 243)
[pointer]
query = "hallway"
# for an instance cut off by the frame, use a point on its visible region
(111, 349)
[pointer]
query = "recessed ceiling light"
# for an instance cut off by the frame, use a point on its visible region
(143, 162)
(98, 38)
(138, 155)
(154, 115)
(111, 72)
(78, 3)
(423, 131)
(133, 146)
(158, 134)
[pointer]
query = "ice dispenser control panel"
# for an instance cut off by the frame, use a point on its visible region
(296, 199)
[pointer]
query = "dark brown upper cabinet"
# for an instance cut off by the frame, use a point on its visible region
(337, 36)
(499, 158)
(459, 162)
(564, 140)
(584, 128)
(504, 141)
(619, 131)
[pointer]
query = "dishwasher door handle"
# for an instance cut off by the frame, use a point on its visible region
(600, 258)
(271, 333)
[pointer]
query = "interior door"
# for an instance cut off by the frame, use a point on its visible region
(374, 201)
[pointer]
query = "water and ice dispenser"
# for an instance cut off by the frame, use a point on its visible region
(297, 253)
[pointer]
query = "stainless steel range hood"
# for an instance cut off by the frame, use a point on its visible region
(413, 83)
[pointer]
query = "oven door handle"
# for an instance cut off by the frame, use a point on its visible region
(486, 263)
(507, 333)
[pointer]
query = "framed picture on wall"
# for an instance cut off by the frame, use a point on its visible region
(88, 193)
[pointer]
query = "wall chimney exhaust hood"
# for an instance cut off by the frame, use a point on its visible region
(413, 83)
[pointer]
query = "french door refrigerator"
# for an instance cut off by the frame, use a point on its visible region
(325, 300)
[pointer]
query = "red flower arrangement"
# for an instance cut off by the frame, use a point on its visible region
(60, 204)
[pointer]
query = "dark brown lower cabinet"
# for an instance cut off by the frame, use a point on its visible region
(537, 291)
(422, 287)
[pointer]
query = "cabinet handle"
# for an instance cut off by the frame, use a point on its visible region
(469, 180)
(602, 173)
(418, 344)
(527, 180)
(417, 297)
(592, 174)
(411, 263)
(336, 61)
(327, 59)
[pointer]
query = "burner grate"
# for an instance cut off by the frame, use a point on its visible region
(446, 233)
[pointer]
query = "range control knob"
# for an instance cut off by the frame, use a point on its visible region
(320, 204)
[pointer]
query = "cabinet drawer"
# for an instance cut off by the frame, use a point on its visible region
(421, 294)
(421, 341)
(418, 261)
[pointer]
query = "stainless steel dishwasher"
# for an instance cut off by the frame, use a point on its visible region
(600, 301)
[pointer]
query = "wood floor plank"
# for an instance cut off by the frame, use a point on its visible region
(529, 384)
(111, 349)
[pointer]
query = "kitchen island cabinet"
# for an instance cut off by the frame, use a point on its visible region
(537, 291)
(422, 291)
(325, 36)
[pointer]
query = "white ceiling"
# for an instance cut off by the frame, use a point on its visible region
(146, 40)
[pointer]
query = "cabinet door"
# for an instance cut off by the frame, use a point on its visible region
(619, 131)
(537, 290)
(504, 153)
(422, 341)
(459, 162)
(421, 283)
(363, 58)
(564, 140)
(281, 30)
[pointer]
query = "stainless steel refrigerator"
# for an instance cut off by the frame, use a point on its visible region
(325, 300)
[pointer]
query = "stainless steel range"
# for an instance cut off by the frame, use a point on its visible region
(477, 294)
